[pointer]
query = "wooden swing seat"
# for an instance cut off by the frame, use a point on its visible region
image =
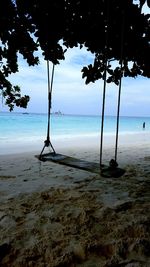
(104, 170)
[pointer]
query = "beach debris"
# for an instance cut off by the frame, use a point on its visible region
(6, 177)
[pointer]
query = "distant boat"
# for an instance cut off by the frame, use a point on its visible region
(25, 113)
(57, 113)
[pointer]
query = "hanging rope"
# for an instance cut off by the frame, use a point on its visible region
(103, 111)
(105, 81)
(118, 116)
(47, 142)
(120, 84)
(112, 170)
(1, 64)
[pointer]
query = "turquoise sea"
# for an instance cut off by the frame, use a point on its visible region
(20, 126)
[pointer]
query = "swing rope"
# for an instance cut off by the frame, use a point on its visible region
(1, 64)
(113, 162)
(118, 116)
(103, 110)
(105, 81)
(47, 142)
(120, 85)
(50, 85)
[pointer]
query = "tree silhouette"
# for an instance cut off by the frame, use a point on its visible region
(110, 29)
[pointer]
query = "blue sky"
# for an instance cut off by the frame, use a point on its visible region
(71, 95)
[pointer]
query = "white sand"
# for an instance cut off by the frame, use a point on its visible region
(54, 215)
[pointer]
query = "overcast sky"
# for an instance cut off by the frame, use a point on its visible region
(70, 94)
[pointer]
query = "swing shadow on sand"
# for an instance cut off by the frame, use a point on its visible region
(104, 170)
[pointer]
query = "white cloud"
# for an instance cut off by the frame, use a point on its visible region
(71, 95)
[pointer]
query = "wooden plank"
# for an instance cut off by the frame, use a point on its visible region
(70, 161)
(93, 167)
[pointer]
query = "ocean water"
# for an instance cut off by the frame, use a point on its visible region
(20, 126)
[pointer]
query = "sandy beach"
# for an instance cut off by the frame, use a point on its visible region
(53, 215)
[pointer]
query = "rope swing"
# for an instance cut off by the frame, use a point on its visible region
(106, 171)
(47, 142)
(113, 165)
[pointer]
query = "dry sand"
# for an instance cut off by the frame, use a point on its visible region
(57, 216)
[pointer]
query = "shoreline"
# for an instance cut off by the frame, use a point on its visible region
(69, 142)
(23, 163)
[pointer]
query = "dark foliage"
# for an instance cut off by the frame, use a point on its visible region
(111, 30)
